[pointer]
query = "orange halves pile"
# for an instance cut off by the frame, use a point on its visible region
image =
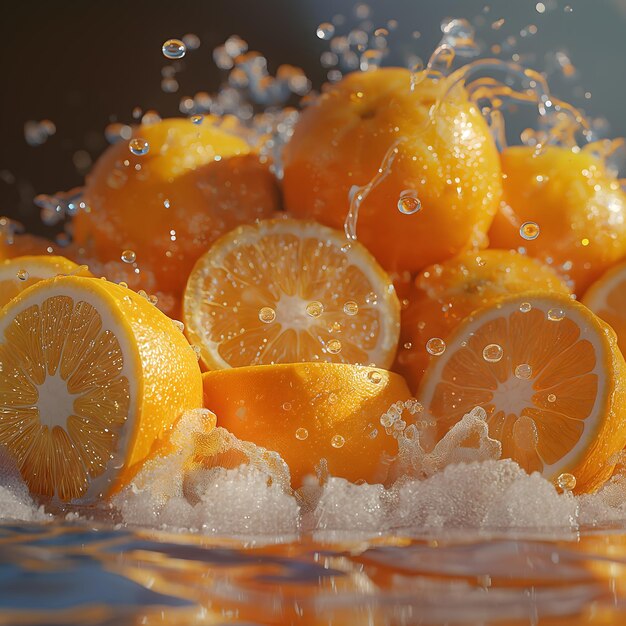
(302, 337)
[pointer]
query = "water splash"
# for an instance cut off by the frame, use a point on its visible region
(359, 193)
(57, 207)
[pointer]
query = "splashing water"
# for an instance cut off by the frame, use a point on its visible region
(61, 205)
(359, 194)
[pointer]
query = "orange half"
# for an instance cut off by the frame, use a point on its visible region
(549, 375)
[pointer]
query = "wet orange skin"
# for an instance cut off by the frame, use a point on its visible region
(445, 153)
(443, 295)
(578, 205)
(195, 183)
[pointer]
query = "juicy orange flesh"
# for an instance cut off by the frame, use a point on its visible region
(285, 273)
(59, 454)
(550, 407)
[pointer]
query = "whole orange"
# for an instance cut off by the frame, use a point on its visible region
(195, 182)
(444, 295)
(577, 205)
(445, 157)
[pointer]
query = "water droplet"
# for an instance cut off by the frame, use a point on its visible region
(566, 482)
(337, 441)
(22, 275)
(408, 202)
(551, 398)
(523, 371)
(138, 146)
(197, 119)
(525, 307)
(436, 346)
(325, 30)
(492, 353)
(374, 376)
(37, 133)
(529, 230)
(179, 325)
(174, 49)
(267, 314)
(192, 41)
(302, 434)
(334, 346)
(350, 307)
(556, 314)
(315, 308)
(198, 351)
(129, 256)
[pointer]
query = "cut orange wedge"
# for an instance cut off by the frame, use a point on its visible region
(21, 272)
(549, 375)
(92, 377)
(285, 291)
(607, 299)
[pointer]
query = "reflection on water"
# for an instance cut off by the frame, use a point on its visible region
(94, 574)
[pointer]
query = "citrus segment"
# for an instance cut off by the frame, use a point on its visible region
(607, 299)
(550, 377)
(311, 411)
(284, 291)
(21, 272)
(444, 295)
(92, 377)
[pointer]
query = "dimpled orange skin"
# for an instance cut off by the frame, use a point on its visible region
(267, 404)
(444, 295)
(207, 175)
(450, 161)
(579, 207)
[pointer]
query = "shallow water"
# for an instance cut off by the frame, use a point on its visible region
(65, 573)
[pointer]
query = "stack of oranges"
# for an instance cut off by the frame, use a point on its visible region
(299, 339)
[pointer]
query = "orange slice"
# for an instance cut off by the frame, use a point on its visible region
(311, 411)
(284, 291)
(92, 377)
(22, 272)
(607, 299)
(549, 375)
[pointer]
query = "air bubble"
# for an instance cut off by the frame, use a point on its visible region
(566, 482)
(302, 434)
(351, 308)
(436, 346)
(408, 202)
(22, 275)
(556, 314)
(129, 256)
(334, 346)
(337, 441)
(525, 307)
(529, 230)
(314, 309)
(374, 376)
(174, 49)
(523, 371)
(267, 314)
(197, 119)
(138, 146)
(325, 30)
(551, 398)
(492, 353)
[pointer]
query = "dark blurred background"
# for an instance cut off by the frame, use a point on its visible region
(85, 64)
